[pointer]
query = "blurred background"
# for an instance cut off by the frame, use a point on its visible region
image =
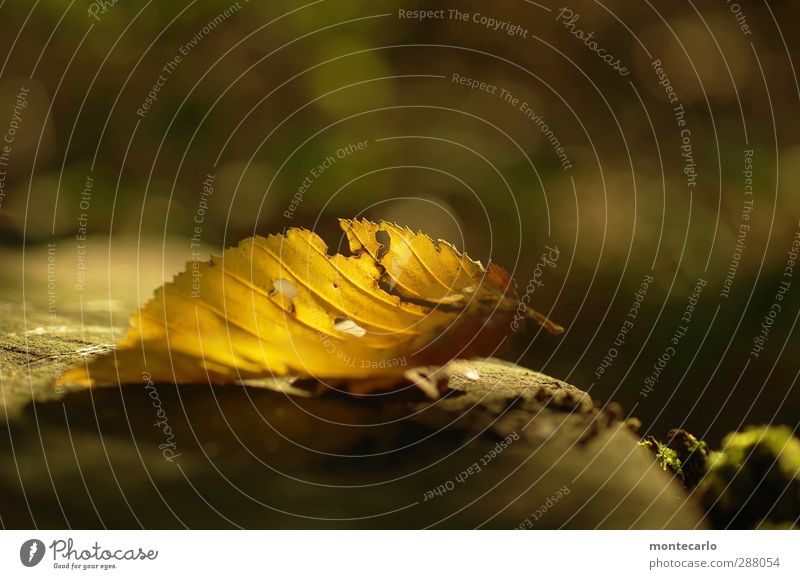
(654, 146)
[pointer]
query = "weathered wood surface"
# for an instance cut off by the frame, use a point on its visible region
(256, 458)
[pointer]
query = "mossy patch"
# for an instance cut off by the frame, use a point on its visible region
(682, 454)
(755, 480)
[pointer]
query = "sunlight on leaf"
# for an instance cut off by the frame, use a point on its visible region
(282, 306)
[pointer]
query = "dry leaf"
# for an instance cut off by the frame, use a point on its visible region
(281, 306)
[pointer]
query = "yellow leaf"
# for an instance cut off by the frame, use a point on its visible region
(281, 306)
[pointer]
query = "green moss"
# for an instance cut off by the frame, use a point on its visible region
(693, 454)
(683, 454)
(666, 457)
(754, 481)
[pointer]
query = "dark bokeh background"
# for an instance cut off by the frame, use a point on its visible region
(264, 95)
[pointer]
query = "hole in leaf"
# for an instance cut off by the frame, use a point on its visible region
(348, 326)
(284, 287)
(385, 240)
